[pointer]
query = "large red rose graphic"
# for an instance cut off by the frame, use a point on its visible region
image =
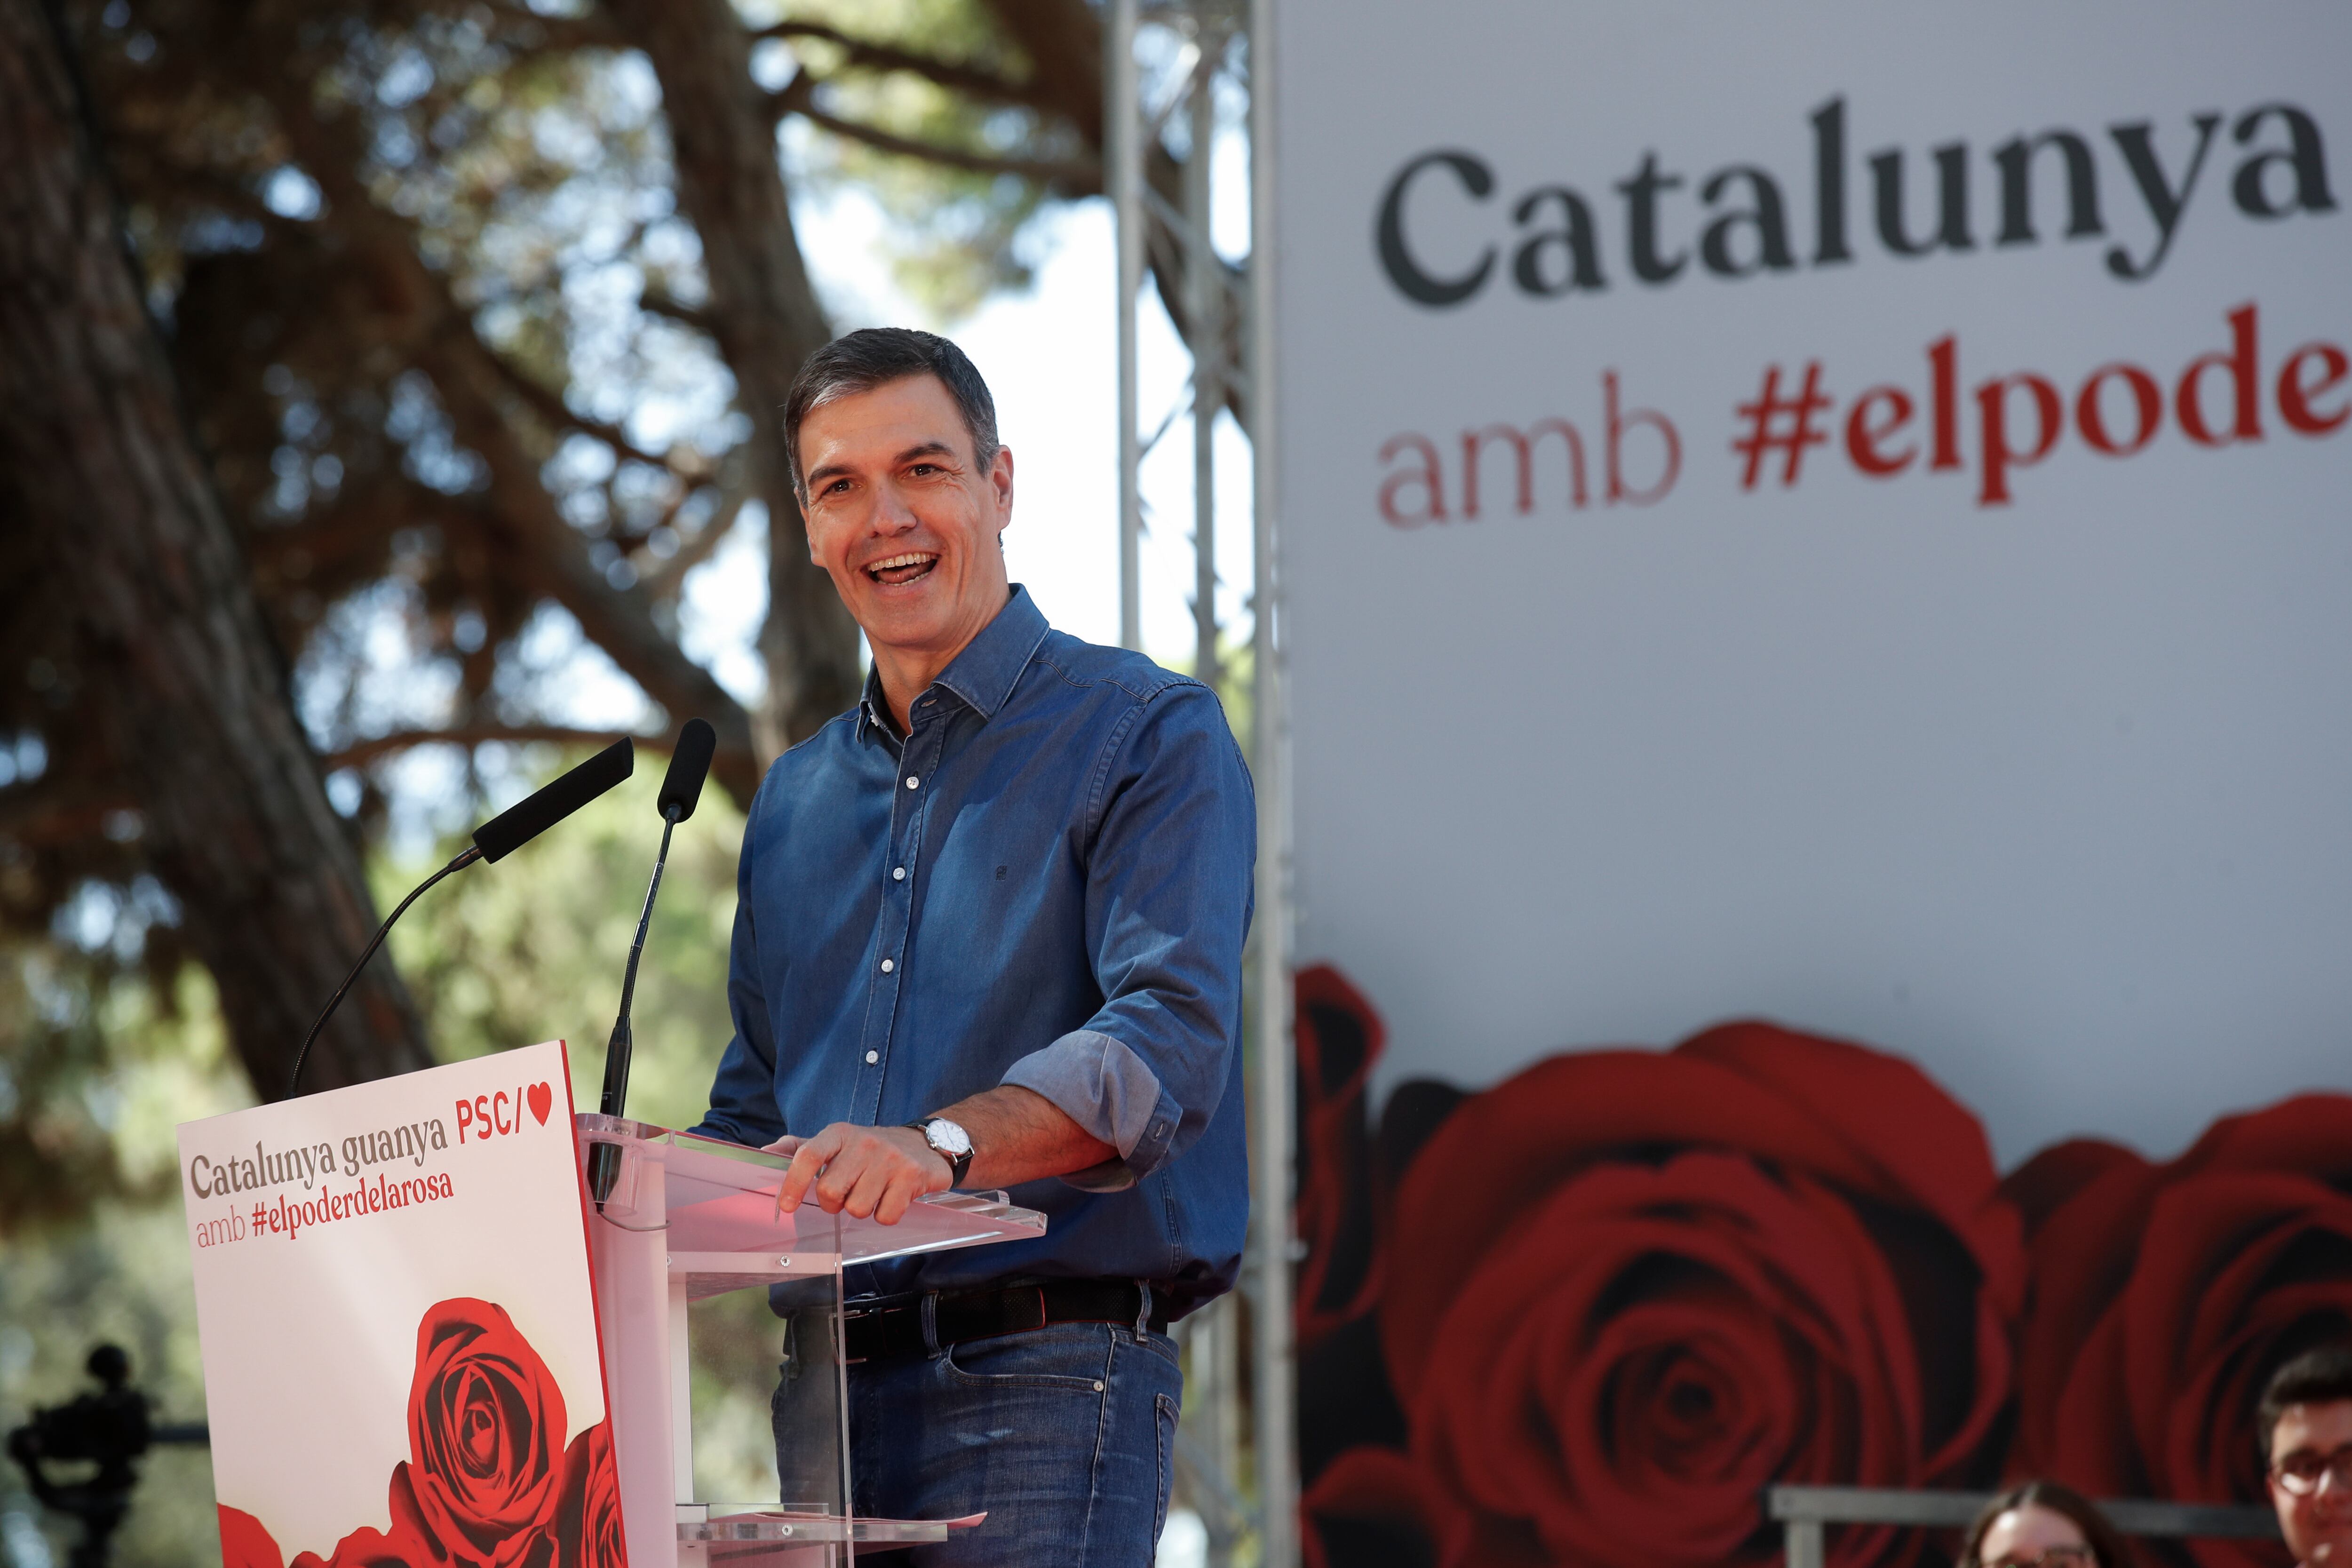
(246, 1543)
(483, 1487)
(1624, 1289)
(588, 1518)
(485, 1416)
(1338, 1039)
(373, 1549)
(2166, 1295)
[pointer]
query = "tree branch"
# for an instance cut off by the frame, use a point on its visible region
(663, 580)
(655, 303)
(550, 406)
(964, 78)
(1068, 176)
(591, 30)
(359, 753)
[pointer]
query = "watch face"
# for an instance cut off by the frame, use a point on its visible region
(947, 1137)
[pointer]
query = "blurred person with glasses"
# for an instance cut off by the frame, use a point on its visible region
(2042, 1524)
(2306, 1419)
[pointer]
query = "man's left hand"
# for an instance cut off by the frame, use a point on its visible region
(869, 1173)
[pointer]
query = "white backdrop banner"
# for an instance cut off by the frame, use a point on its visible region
(1832, 511)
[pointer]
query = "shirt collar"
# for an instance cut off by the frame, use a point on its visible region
(985, 672)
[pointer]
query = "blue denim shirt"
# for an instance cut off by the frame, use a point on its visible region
(1047, 882)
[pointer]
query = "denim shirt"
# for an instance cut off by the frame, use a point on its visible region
(1046, 883)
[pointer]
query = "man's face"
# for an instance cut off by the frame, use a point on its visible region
(2317, 1524)
(900, 517)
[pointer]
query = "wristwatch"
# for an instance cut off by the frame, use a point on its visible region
(949, 1142)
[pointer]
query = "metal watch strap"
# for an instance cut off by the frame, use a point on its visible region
(957, 1164)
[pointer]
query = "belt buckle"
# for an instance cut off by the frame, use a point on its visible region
(1039, 1291)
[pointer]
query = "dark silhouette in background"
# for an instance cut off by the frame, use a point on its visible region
(107, 1429)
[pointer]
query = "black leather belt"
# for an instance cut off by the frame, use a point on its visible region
(882, 1333)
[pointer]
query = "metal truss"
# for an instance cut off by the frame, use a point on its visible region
(1170, 65)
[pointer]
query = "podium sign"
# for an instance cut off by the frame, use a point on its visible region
(423, 1349)
(400, 1346)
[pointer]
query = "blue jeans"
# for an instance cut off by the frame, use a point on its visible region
(1065, 1437)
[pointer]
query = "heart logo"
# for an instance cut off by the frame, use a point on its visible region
(541, 1099)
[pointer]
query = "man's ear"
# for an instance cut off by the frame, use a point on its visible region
(1000, 479)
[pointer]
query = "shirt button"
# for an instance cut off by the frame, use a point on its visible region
(899, 875)
(912, 781)
(873, 1057)
(887, 966)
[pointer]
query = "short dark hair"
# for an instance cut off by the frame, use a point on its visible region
(2106, 1542)
(861, 360)
(2319, 1376)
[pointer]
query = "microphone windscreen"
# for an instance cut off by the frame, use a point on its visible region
(535, 813)
(689, 764)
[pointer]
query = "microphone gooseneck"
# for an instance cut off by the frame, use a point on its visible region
(294, 1079)
(493, 840)
(689, 763)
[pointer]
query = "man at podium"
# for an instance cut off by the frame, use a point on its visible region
(990, 935)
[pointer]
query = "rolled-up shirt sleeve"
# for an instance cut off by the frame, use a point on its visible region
(1172, 845)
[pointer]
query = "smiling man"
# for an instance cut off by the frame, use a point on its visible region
(988, 935)
(2305, 1421)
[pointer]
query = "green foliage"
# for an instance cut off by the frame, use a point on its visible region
(97, 1063)
(531, 949)
(55, 1156)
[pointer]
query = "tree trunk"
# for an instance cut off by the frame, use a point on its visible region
(767, 319)
(96, 457)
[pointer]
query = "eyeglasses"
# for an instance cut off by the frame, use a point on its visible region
(2072, 1556)
(2301, 1472)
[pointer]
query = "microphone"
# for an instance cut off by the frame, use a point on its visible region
(689, 764)
(533, 815)
(494, 840)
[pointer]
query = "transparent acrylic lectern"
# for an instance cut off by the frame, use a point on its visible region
(690, 1219)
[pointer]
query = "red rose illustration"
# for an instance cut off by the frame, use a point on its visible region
(1624, 1289)
(2166, 1295)
(1339, 1039)
(373, 1549)
(246, 1543)
(1363, 1500)
(588, 1518)
(484, 1417)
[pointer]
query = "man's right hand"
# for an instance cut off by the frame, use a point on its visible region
(868, 1172)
